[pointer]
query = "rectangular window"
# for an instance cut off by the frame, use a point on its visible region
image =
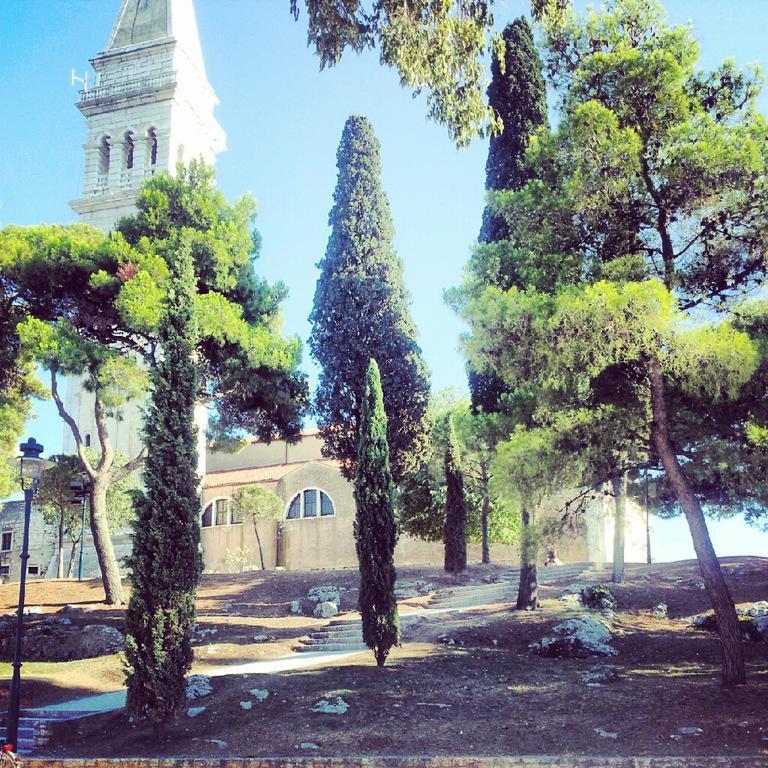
(33, 570)
(5, 570)
(7, 541)
(222, 511)
(310, 503)
(235, 514)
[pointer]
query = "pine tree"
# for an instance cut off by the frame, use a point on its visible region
(361, 311)
(518, 94)
(375, 533)
(455, 530)
(166, 562)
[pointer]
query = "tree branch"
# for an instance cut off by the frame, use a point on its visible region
(131, 466)
(72, 425)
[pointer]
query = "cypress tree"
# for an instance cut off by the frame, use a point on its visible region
(518, 94)
(166, 562)
(375, 533)
(360, 311)
(455, 529)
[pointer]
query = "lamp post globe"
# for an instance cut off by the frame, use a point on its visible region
(30, 467)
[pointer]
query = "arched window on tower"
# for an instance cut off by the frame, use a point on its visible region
(128, 148)
(152, 144)
(104, 156)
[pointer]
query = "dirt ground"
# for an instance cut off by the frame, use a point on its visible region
(485, 694)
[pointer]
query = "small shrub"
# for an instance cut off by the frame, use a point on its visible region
(599, 598)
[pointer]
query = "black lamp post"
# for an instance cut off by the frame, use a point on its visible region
(30, 468)
(80, 494)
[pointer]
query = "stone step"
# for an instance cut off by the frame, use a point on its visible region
(330, 635)
(316, 643)
(331, 647)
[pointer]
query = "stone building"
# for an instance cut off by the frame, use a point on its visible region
(318, 512)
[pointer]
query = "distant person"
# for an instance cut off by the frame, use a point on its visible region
(552, 558)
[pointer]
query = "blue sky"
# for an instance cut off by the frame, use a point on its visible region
(283, 119)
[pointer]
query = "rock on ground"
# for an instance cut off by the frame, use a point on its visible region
(198, 686)
(576, 638)
(259, 694)
(325, 594)
(335, 707)
(325, 610)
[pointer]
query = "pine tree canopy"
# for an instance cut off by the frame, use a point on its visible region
(361, 310)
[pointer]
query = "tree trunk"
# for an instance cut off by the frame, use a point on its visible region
(486, 511)
(60, 556)
(734, 672)
(528, 589)
(102, 542)
(258, 541)
(71, 563)
(619, 484)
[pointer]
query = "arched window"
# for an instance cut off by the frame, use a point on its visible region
(152, 143)
(128, 148)
(104, 156)
(311, 502)
(219, 512)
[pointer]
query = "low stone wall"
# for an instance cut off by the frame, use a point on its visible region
(406, 762)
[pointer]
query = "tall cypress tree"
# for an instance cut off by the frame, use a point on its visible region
(375, 533)
(455, 530)
(518, 94)
(166, 562)
(361, 311)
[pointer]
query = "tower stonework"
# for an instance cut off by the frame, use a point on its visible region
(150, 107)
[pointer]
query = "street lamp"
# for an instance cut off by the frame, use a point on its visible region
(80, 494)
(30, 468)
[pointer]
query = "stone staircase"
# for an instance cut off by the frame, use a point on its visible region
(345, 635)
(35, 726)
(339, 635)
(505, 589)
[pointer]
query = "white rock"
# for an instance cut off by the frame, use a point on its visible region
(308, 745)
(603, 734)
(259, 694)
(325, 610)
(571, 600)
(660, 611)
(220, 743)
(336, 707)
(261, 638)
(246, 705)
(690, 730)
(198, 686)
(577, 637)
(295, 606)
(195, 711)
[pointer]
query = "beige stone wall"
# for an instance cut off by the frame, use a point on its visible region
(259, 454)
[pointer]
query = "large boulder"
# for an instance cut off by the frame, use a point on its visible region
(325, 610)
(100, 640)
(56, 638)
(325, 594)
(577, 638)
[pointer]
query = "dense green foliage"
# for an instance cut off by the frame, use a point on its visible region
(648, 205)
(360, 311)
(421, 497)
(166, 563)
(91, 307)
(375, 533)
(436, 46)
(518, 94)
(455, 529)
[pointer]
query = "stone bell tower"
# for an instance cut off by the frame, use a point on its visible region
(150, 106)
